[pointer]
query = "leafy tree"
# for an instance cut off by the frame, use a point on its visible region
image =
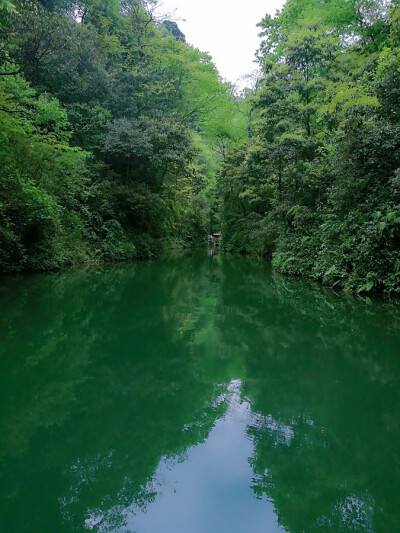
(109, 96)
(316, 185)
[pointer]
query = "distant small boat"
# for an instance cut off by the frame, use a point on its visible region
(214, 238)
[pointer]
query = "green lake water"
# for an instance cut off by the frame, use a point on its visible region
(196, 394)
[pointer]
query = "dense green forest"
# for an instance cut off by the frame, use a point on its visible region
(118, 139)
(317, 185)
(112, 128)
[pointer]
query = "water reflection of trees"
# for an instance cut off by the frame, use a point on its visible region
(106, 371)
(322, 376)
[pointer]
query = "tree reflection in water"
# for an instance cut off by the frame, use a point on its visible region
(110, 373)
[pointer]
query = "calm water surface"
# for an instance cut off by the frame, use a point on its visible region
(196, 394)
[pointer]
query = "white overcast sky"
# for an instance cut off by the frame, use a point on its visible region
(226, 29)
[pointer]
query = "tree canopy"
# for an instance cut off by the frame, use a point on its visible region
(316, 185)
(108, 146)
(119, 138)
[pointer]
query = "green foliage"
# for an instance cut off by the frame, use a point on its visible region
(316, 186)
(8, 6)
(113, 130)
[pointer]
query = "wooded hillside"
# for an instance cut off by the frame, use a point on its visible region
(317, 185)
(111, 131)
